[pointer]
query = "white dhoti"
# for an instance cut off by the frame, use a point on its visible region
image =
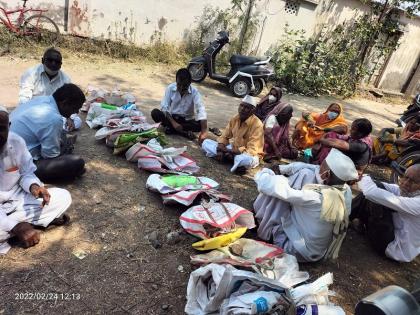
(244, 159)
(25, 208)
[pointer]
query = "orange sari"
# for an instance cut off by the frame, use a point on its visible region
(305, 136)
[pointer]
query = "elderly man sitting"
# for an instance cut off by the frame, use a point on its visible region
(24, 202)
(309, 223)
(391, 215)
(44, 79)
(247, 134)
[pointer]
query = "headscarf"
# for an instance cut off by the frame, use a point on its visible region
(324, 121)
(407, 134)
(264, 107)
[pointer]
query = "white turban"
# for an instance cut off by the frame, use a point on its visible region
(341, 165)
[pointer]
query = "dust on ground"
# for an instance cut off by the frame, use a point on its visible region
(112, 213)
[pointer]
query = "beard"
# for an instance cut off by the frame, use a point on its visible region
(411, 194)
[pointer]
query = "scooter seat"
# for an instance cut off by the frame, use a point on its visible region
(245, 60)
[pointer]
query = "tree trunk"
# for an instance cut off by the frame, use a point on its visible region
(245, 26)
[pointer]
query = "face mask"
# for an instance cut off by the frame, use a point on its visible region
(332, 115)
(271, 99)
(49, 71)
(410, 194)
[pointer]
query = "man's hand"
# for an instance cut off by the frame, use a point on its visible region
(26, 234)
(202, 137)
(70, 124)
(177, 126)
(40, 192)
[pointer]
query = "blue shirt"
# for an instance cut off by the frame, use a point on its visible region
(40, 124)
(189, 106)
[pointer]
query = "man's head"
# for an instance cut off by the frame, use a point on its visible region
(4, 126)
(360, 128)
(183, 80)
(52, 61)
(337, 169)
(247, 107)
(410, 182)
(285, 114)
(69, 99)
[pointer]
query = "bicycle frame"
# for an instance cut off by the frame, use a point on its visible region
(16, 28)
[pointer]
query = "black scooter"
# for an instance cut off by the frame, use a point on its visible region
(246, 76)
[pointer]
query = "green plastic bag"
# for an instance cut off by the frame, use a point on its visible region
(107, 106)
(176, 181)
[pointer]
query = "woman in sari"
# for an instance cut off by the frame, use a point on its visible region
(392, 141)
(268, 102)
(276, 133)
(310, 129)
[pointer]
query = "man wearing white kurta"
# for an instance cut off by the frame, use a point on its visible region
(24, 202)
(396, 232)
(43, 80)
(311, 222)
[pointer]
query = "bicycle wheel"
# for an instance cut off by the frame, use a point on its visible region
(405, 161)
(41, 28)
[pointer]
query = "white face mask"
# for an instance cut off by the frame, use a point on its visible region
(271, 99)
(49, 71)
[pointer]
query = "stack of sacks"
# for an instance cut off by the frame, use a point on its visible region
(154, 158)
(100, 95)
(184, 189)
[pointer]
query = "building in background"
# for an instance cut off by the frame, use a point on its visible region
(139, 22)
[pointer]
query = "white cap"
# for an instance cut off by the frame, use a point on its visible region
(341, 165)
(250, 100)
(3, 109)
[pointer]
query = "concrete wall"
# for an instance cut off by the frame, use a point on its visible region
(140, 21)
(404, 60)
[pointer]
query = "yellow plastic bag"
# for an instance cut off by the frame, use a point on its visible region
(220, 241)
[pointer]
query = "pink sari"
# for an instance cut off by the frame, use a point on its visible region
(280, 134)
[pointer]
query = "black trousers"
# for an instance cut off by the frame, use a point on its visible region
(62, 168)
(187, 125)
(377, 220)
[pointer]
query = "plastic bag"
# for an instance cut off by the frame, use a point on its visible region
(243, 252)
(215, 287)
(313, 293)
(213, 219)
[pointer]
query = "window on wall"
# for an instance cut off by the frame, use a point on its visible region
(292, 7)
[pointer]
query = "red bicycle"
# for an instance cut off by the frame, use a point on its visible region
(37, 26)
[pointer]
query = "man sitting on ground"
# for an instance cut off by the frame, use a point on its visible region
(247, 134)
(20, 192)
(391, 215)
(45, 79)
(309, 223)
(39, 123)
(182, 110)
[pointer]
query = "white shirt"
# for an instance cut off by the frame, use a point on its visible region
(309, 234)
(406, 245)
(35, 82)
(16, 177)
(189, 106)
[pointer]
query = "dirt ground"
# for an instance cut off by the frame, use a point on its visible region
(112, 213)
